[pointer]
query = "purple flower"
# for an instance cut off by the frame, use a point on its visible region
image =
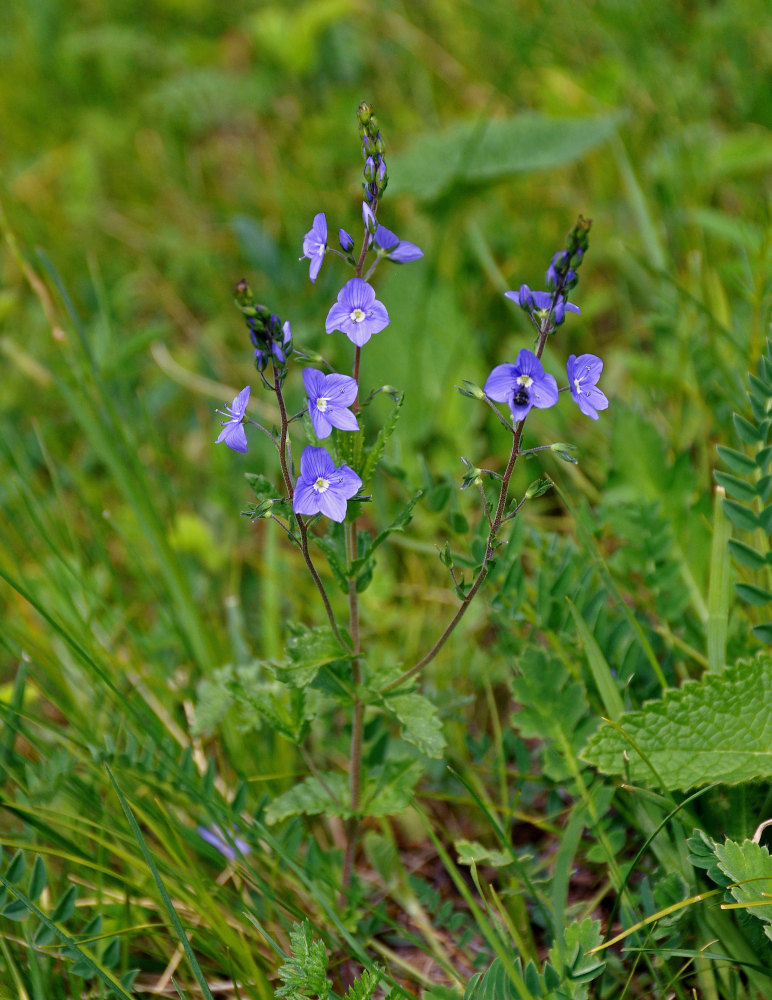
(226, 844)
(357, 313)
(233, 433)
(328, 399)
(391, 246)
(321, 488)
(583, 373)
(522, 385)
(346, 242)
(538, 304)
(315, 244)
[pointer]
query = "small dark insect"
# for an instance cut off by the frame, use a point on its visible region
(521, 396)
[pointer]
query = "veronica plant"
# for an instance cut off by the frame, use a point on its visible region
(319, 505)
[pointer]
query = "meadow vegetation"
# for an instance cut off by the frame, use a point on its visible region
(154, 155)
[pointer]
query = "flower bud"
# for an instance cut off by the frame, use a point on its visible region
(538, 487)
(470, 389)
(369, 169)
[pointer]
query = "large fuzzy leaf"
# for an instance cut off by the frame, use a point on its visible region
(716, 729)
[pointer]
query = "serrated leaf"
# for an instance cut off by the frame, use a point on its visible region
(570, 958)
(485, 150)
(747, 432)
(327, 795)
(401, 521)
(308, 650)
(750, 866)
(735, 487)
(736, 460)
(716, 729)
(746, 555)
(420, 722)
(740, 516)
(751, 594)
(375, 451)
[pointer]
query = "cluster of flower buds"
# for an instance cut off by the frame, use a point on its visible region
(373, 146)
(561, 274)
(271, 339)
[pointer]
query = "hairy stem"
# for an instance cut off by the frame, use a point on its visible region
(357, 723)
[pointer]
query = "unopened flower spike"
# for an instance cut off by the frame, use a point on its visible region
(315, 245)
(583, 373)
(522, 385)
(329, 397)
(357, 313)
(321, 488)
(233, 433)
(539, 304)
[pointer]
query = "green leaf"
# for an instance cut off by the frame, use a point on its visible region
(751, 594)
(38, 879)
(486, 150)
(389, 789)
(420, 722)
(746, 555)
(308, 650)
(327, 795)
(601, 672)
(763, 632)
(737, 488)
(747, 432)
(716, 729)
(570, 958)
(749, 865)
(16, 868)
(736, 460)
(304, 974)
(16, 910)
(740, 516)
(65, 908)
(375, 451)
(262, 487)
(401, 521)
(470, 852)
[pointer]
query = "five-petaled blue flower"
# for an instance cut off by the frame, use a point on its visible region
(321, 488)
(329, 397)
(583, 372)
(233, 433)
(391, 246)
(357, 313)
(522, 385)
(315, 244)
(538, 304)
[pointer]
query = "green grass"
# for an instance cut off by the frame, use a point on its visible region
(151, 158)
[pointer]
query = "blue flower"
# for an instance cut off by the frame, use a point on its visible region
(233, 433)
(583, 372)
(315, 244)
(371, 223)
(357, 313)
(321, 488)
(227, 844)
(329, 397)
(391, 246)
(346, 242)
(538, 305)
(522, 385)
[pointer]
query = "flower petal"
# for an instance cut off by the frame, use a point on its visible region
(342, 418)
(500, 384)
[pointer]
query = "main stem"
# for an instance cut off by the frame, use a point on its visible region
(358, 720)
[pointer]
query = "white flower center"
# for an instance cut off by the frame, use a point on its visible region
(321, 485)
(525, 380)
(357, 315)
(578, 385)
(321, 404)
